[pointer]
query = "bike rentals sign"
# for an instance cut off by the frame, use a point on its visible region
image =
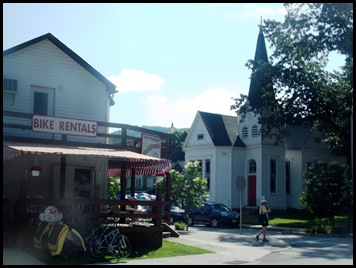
(61, 125)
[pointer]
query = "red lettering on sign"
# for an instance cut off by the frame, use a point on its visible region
(43, 123)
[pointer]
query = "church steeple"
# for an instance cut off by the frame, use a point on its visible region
(257, 83)
(172, 129)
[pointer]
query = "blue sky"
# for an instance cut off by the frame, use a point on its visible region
(167, 60)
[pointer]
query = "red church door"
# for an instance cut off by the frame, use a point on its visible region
(251, 191)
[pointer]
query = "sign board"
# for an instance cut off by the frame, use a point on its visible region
(151, 145)
(240, 182)
(61, 125)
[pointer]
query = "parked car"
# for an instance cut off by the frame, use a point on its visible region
(215, 215)
(145, 196)
(177, 214)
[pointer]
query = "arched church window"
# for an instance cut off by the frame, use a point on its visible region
(252, 166)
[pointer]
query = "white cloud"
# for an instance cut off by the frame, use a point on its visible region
(136, 81)
(162, 112)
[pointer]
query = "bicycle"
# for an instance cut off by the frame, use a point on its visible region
(107, 240)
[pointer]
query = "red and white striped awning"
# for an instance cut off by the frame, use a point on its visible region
(141, 167)
(142, 163)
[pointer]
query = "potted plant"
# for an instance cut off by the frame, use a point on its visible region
(35, 170)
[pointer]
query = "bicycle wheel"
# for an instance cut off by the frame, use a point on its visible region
(96, 247)
(124, 246)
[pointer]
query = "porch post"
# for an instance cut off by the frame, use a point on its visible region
(96, 207)
(133, 182)
(158, 209)
(23, 188)
(123, 183)
(168, 193)
(62, 176)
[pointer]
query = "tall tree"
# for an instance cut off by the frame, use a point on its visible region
(188, 188)
(177, 142)
(306, 91)
(329, 191)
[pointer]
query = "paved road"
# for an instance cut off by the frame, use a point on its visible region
(239, 247)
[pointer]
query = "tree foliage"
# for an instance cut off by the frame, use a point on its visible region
(328, 191)
(188, 188)
(177, 144)
(303, 90)
(113, 187)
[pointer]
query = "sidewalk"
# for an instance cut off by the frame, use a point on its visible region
(286, 230)
(16, 256)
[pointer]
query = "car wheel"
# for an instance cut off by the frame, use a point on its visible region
(190, 221)
(214, 223)
(171, 221)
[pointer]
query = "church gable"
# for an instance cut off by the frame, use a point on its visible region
(198, 135)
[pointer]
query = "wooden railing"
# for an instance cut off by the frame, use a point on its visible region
(96, 210)
(128, 137)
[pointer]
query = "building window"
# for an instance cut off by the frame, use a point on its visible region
(207, 172)
(252, 166)
(200, 165)
(204, 170)
(288, 177)
(138, 182)
(272, 175)
(200, 137)
(244, 132)
(83, 183)
(309, 163)
(254, 131)
(9, 85)
(40, 105)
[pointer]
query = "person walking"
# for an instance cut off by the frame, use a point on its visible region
(263, 217)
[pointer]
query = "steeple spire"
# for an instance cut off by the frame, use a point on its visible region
(260, 25)
(256, 84)
(172, 129)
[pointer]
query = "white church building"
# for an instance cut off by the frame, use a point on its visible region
(242, 167)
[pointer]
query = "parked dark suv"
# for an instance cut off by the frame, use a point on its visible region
(214, 214)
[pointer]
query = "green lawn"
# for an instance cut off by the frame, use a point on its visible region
(285, 220)
(300, 220)
(168, 249)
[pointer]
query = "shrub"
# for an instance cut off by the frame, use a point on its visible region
(179, 225)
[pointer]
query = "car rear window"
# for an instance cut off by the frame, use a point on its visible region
(220, 207)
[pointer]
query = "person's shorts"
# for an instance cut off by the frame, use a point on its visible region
(263, 220)
(264, 223)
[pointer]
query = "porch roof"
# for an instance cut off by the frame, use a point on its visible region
(143, 163)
